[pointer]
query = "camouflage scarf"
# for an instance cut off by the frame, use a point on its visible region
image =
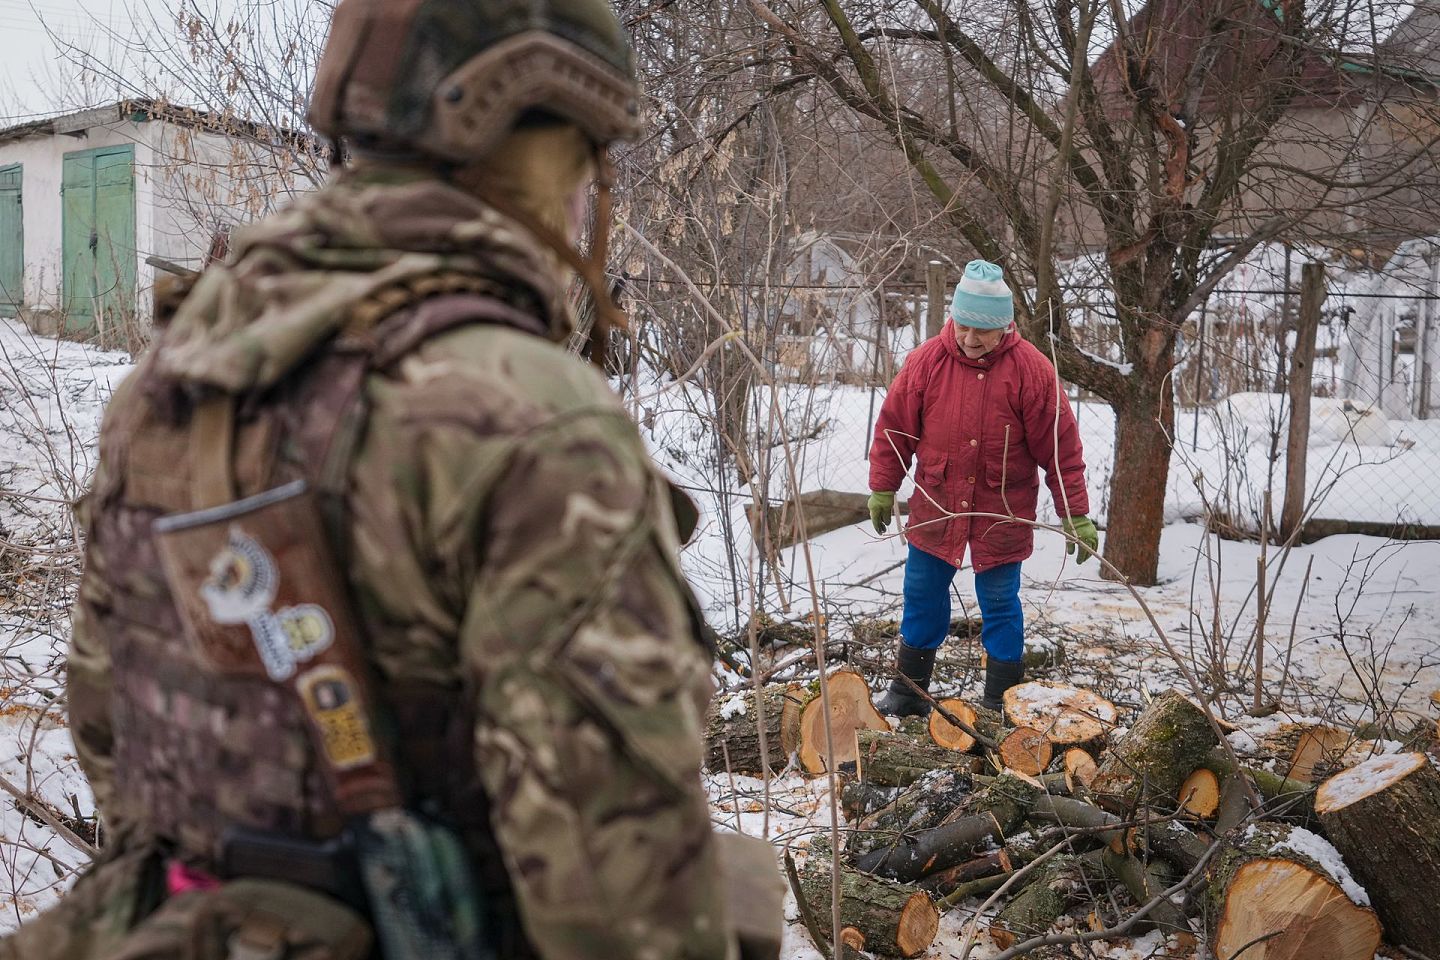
(297, 278)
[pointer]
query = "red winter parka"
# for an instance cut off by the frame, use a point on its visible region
(978, 430)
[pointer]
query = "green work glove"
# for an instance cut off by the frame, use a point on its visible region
(882, 508)
(1082, 529)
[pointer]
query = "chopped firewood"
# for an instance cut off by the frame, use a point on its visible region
(1145, 881)
(1358, 752)
(1285, 799)
(1169, 740)
(1080, 769)
(1026, 751)
(895, 920)
(908, 857)
(1046, 897)
(851, 709)
(1007, 798)
(944, 882)
(895, 759)
(925, 804)
(946, 734)
(1065, 714)
(852, 938)
(1382, 817)
(1318, 750)
(1200, 794)
(1273, 902)
(732, 726)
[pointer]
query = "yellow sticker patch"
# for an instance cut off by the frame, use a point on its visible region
(330, 700)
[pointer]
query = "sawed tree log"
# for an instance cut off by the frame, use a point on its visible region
(1277, 903)
(895, 920)
(1384, 818)
(732, 725)
(1169, 740)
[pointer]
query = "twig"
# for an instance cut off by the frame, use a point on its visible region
(35, 807)
(980, 738)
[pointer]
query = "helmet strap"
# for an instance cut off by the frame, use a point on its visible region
(590, 269)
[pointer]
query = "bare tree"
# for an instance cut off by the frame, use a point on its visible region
(1165, 147)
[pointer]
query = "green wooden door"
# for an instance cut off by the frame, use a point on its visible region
(98, 188)
(12, 243)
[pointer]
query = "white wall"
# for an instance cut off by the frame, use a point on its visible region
(186, 182)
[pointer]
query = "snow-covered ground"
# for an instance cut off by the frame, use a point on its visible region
(1364, 629)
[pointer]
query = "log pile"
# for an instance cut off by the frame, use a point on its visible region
(1055, 810)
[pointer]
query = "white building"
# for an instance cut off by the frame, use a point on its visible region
(91, 201)
(1390, 350)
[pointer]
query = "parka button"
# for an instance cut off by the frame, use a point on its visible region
(964, 504)
(979, 376)
(969, 479)
(974, 443)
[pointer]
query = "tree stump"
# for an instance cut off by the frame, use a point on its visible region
(1169, 740)
(1026, 751)
(732, 725)
(1384, 817)
(1277, 903)
(894, 920)
(1067, 715)
(851, 709)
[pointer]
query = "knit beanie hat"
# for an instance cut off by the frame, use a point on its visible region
(982, 299)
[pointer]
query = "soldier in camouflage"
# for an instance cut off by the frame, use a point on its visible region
(509, 547)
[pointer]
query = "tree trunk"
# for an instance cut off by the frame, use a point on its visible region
(1143, 428)
(1274, 903)
(908, 858)
(895, 920)
(1382, 817)
(925, 804)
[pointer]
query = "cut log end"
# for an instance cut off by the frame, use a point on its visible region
(919, 925)
(852, 938)
(1065, 714)
(945, 733)
(1026, 751)
(1318, 747)
(1080, 769)
(850, 709)
(1313, 917)
(1200, 794)
(1371, 777)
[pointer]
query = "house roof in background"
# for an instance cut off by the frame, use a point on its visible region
(141, 110)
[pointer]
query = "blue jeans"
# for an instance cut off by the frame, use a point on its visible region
(926, 621)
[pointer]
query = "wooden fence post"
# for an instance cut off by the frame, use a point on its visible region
(1302, 364)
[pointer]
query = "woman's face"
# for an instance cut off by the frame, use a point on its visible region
(975, 342)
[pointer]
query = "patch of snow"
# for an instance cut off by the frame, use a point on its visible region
(1319, 849)
(1364, 779)
(734, 707)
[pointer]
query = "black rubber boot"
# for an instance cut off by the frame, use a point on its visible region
(1001, 675)
(900, 700)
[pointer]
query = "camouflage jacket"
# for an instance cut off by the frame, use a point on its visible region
(505, 535)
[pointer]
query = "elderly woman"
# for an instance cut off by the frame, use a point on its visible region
(979, 411)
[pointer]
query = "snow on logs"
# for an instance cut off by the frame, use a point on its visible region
(1281, 893)
(894, 919)
(1065, 715)
(1384, 818)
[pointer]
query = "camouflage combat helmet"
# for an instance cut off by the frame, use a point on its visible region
(450, 78)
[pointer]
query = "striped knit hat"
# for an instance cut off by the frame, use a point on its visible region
(982, 299)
